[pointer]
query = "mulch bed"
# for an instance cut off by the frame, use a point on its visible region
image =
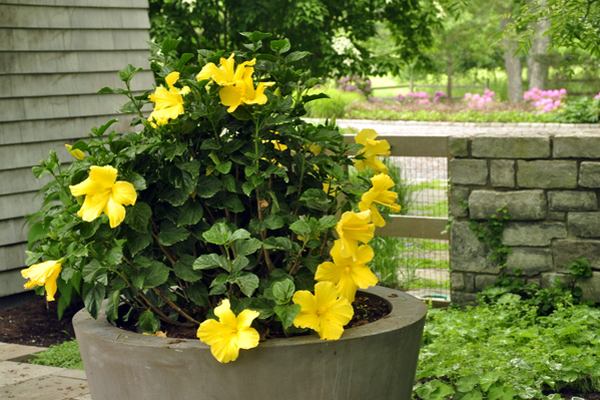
(36, 324)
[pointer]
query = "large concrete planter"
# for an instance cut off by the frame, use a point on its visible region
(375, 361)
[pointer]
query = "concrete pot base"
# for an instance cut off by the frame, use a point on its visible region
(375, 361)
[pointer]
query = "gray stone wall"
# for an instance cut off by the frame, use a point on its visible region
(549, 184)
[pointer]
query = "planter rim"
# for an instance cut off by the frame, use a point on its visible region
(405, 310)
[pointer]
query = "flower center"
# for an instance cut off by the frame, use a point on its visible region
(321, 311)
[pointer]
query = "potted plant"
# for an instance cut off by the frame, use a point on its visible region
(230, 219)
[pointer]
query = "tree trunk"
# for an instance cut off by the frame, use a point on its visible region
(449, 73)
(537, 61)
(513, 67)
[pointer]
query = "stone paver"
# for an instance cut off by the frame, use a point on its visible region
(14, 351)
(22, 381)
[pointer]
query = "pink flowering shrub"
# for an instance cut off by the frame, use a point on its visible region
(546, 100)
(478, 100)
(356, 84)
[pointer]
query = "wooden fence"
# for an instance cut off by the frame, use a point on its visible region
(410, 226)
(413, 85)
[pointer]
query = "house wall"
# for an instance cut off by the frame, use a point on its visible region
(54, 57)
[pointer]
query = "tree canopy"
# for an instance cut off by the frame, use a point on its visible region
(334, 31)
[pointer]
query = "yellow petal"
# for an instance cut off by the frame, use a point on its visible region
(347, 287)
(93, 206)
(245, 318)
(307, 320)
(85, 187)
(340, 312)
(226, 349)
(258, 96)
(325, 294)
(43, 274)
(105, 176)
(329, 271)
(115, 212)
(212, 331)
(124, 193)
(247, 338)
(226, 316)
(231, 96)
(207, 72)
(330, 331)
(363, 277)
(171, 79)
(306, 300)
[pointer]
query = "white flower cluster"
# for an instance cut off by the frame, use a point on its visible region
(342, 45)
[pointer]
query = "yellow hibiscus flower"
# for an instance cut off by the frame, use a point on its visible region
(168, 104)
(226, 74)
(346, 273)
(324, 312)
(230, 334)
(103, 193)
(379, 194)
(354, 228)
(43, 274)
(78, 154)
(243, 92)
(372, 149)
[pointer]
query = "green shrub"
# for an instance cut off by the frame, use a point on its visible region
(65, 355)
(334, 106)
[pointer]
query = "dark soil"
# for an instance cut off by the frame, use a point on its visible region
(36, 324)
(366, 309)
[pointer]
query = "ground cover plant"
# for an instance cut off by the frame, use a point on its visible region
(65, 355)
(507, 350)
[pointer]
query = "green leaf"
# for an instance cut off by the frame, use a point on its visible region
(316, 199)
(221, 279)
(209, 261)
(300, 228)
(218, 234)
(327, 222)
(224, 168)
(198, 293)
(246, 247)
(147, 322)
(296, 56)
(90, 270)
(287, 313)
(233, 203)
(239, 263)
(138, 217)
(280, 46)
(156, 275)
(248, 283)
(128, 72)
(257, 225)
(278, 243)
(273, 222)
(240, 234)
(208, 186)
(191, 213)
(256, 35)
(137, 242)
(183, 269)
(248, 188)
(284, 290)
(210, 144)
(217, 290)
(169, 44)
(112, 305)
(36, 232)
(93, 298)
(488, 379)
(467, 383)
(473, 395)
(500, 392)
(170, 234)
(114, 256)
